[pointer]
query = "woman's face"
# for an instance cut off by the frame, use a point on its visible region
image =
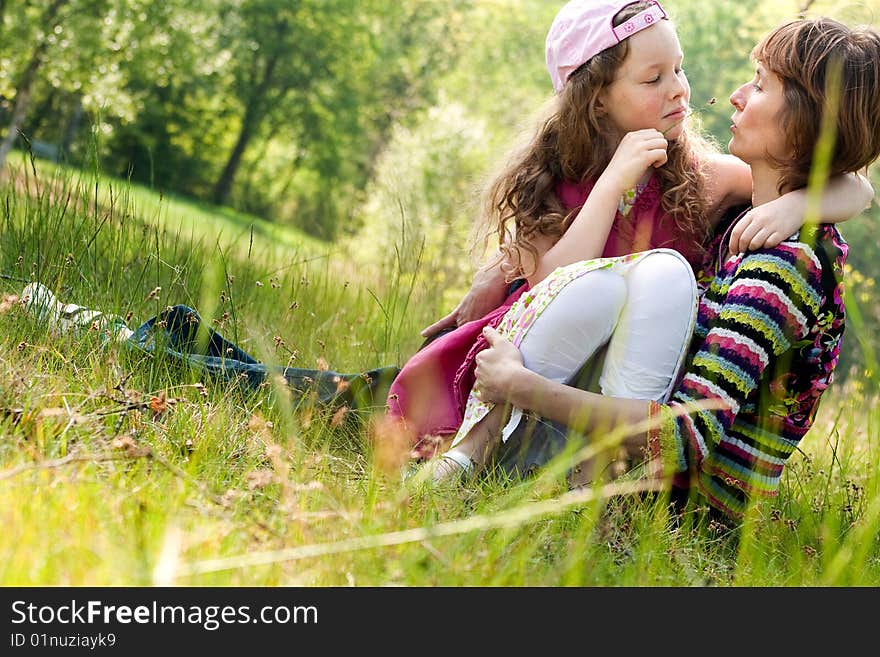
(650, 89)
(757, 134)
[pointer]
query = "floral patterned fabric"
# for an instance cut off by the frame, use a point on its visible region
(769, 327)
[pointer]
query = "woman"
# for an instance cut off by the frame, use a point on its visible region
(769, 322)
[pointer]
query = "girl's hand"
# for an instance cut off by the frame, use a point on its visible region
(763, 227)
(497, 368)
(488, 291)
(769, 224)
(636, 153)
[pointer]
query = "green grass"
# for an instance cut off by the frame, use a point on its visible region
(219, 487)
(175, 214)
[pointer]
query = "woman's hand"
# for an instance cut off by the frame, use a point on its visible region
(497, 368)
(636, 153)
(488, 291)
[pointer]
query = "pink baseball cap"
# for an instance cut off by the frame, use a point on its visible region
(583, 29)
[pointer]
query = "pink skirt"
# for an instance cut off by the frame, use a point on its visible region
(429, 395)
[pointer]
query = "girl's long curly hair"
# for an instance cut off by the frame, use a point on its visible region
(575, 143)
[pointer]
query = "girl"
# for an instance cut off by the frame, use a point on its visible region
(769, 322)
(614, 170)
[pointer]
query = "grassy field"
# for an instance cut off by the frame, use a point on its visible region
(120, 469)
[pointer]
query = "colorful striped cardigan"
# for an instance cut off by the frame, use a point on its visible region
(767, 340)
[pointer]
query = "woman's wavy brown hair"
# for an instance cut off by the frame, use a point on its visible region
(575, 143)
(802, 54)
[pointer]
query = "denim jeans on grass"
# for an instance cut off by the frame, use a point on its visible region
(174, 333)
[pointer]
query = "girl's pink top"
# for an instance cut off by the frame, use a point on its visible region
(428, 397)
(647, 226)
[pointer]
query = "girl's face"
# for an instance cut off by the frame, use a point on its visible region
(757, 134)
(650, 89)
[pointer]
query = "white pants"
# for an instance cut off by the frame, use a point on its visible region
(644, 310)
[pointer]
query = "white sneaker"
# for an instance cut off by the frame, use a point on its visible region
(67, 318)
(448, 468)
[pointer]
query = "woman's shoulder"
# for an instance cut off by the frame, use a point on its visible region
(807, 268)
(822, 243)
(828, 248)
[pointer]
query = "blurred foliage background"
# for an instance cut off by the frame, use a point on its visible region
(365, 122)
